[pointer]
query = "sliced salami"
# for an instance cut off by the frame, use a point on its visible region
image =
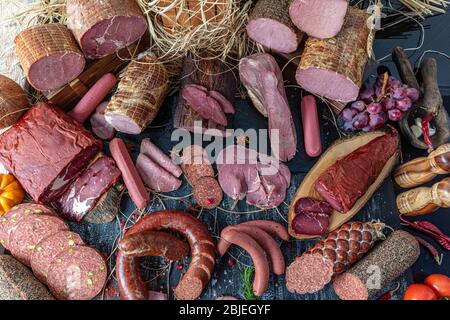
(29, 232)
(11, 219)
(195, 164)
(77, 274)
(207, 192)
(50, 247)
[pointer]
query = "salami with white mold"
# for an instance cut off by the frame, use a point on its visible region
(104, 27)
(392, 258)
(49, 56)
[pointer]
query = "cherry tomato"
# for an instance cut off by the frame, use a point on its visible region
(419, 292)
(440, 283)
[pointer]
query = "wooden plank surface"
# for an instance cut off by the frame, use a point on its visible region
(227, 279)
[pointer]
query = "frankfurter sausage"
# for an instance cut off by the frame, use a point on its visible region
(261, 280)
(311, 128)
(130, 176)
(271, 227)
(200, 269)
(154, 176)
(157, 155)
(269, 245)
(153, 244)
(93, 97)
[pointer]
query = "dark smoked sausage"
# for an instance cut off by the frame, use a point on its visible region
(193, 282)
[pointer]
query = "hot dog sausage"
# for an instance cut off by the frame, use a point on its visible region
(157, 155)
(264, 240)
(93, 97)
(261, 280)
(153, 244)
(203, 255)
(311, 128)
(130, 176)
(271, 227)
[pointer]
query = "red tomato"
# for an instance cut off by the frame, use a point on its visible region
(440, 284)
(418, 291)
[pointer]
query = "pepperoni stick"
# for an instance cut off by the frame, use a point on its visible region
(130, 176)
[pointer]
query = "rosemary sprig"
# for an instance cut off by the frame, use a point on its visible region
(247, 275)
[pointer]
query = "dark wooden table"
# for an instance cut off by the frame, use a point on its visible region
(227, 279)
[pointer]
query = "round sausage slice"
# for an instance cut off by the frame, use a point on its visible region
(29, 232)
(77, 274)
(47, 249)
(207, 192)
(12, 218)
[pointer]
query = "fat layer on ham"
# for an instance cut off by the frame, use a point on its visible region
(245, 173)
(263, 80)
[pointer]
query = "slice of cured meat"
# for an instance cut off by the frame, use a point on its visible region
(77, 274)
(104, 27)
(46, 150)
(342, 184)
(49, 56)
(47, 249)
(152, 151)
(84, 193)
(99, 125)
(155, 176)
(11, 219)
(312, 216)
(30, 231)
(207, 192)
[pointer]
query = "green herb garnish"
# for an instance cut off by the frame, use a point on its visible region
(247, 275)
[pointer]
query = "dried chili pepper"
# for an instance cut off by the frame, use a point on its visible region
(434, 252)
(426, 130)
(388, 295)
(429, 229)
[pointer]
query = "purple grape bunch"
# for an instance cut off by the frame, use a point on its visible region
(373, 108)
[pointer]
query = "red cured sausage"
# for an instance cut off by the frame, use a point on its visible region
(130, 176)
(261, 280)
(271, 227)
(193, 282)
(153, 244)
(311, 128)
(93, 97)
(264, 240)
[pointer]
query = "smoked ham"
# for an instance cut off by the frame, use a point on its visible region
(334, 67)
(140, 93)
(104, 27)
(49, 56)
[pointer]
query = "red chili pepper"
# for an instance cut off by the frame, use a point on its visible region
(441, 238)
(434, 252)
(428, 225)
(388, 295)
(426, 130)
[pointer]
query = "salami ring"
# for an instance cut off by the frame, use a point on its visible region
(191, 285)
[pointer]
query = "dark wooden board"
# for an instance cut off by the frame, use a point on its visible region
(227, 279)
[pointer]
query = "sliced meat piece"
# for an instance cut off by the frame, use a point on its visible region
(153, 244)
(263, 238)
(238, 180)
(104, 27)
(195, 164)
(319, 18)
(47, 249)
(343, 183)
(271, 227)
(261, 280)
(226, 105)
(32, 230)
(312, 205)
(207, 192)
(155, 176)
(84, 193)
(308, 273)
(204, 105)
(49, 56)
(311, 223)
(11, 219)
(157, 155)
(99, 125)
(77, 274)
(269, 25)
